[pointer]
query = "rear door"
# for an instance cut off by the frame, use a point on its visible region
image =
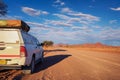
(37, 49)
(9, 43)
(40, 50)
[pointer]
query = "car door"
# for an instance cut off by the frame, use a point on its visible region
(40, 50)
(37, 49)
(29, 46)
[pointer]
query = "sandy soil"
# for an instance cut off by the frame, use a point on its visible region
(11, 74)
(75, 64)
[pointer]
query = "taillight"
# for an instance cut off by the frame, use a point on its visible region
(23, 52)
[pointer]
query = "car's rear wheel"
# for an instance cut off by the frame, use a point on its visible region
(32, 66)
(30, 69)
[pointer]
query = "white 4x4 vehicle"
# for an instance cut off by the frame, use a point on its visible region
(18, 49)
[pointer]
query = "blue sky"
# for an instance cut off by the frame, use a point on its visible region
(69, 21)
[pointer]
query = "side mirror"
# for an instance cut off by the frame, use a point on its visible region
(41, 44)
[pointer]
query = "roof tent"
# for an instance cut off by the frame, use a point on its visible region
(14, 24)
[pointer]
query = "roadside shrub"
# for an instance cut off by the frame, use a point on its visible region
(48, 43)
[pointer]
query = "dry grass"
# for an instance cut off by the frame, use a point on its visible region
(109, 49)
(89, 47)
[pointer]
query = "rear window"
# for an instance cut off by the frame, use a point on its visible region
(9, 36)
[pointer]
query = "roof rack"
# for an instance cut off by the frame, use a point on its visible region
(14, 24)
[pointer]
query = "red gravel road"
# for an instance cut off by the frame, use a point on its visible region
(10, 74)
(74, 64)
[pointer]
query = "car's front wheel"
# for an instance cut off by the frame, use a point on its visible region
(32, 66)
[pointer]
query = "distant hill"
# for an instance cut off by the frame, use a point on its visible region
(98, 44)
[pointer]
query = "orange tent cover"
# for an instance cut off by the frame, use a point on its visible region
(14, 24)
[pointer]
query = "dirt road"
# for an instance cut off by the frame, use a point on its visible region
(75, 64)
(72, 64)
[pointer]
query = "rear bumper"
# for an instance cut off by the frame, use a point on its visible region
(10, 67)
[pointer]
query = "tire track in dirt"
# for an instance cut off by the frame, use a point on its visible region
(10, 74)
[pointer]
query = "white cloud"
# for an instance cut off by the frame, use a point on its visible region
(11, 17)
(77, 20)
(83, 28)
(41, 26)
(109, 35)
(65, 36)
(97, 27)
(57, 34)
(66, 10)
(58, 23)
(112, 21)
(62, 16)
(79, 34)
(33, 12)
(44, 12)
(59, 3)
(81, 15)
(35, 24)
(62, 3)
(85, 16)
(115, 9)
(72, 18)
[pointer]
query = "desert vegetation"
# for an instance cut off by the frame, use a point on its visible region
(48, 43)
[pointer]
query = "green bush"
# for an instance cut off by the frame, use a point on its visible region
(48, 43)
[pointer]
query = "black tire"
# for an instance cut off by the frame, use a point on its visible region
(32, 65)
(42, 58)
(30, 69)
